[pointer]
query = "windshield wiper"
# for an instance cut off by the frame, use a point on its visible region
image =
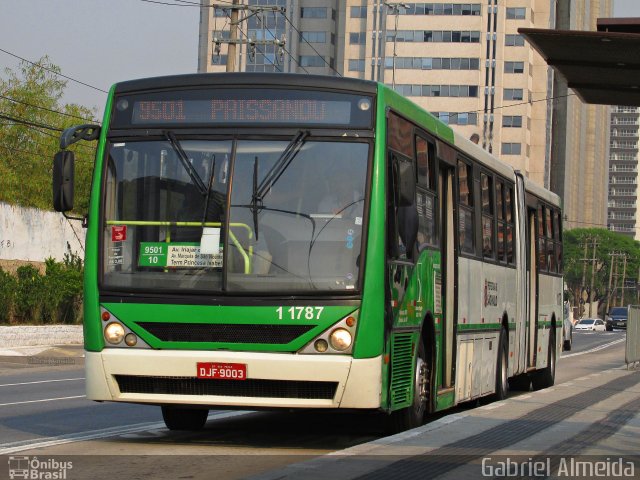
(273, 175)
(208, 194)
(283, 162)
(170, 136)
(254, 197)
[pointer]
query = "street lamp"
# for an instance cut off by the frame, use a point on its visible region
(395, 7)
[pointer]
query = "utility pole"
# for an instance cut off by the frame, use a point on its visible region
(624, 274)
(593, 274)
(233, 38)
(584, 274)
(395, 7)
(609, 292)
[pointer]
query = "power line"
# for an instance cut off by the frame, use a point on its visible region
(26, 122)
(278, 67)
(193, 4)
(53, 71)
(524, 103)
(47, 109)
(287, 51)
(57, 137)
(188, 4)
(308, 43)
(35, 154)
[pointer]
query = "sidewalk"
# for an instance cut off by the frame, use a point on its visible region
(595, 417)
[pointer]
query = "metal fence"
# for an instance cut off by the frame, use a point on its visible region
(632, 351)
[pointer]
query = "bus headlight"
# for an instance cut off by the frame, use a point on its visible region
(130, 339)
(340, 339)
(337, 339)
(114, 333)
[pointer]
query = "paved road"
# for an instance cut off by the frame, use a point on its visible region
(43, 412)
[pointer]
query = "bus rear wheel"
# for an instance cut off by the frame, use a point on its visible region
(502, 382)
(546, 377)
(184, 418)
(413, 415)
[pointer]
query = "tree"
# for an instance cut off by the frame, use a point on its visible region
(31, 119)
(607, 243)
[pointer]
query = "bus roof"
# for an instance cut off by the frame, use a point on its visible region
(475, 151)
(247, 78)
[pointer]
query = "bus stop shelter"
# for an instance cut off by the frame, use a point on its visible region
(602, 67)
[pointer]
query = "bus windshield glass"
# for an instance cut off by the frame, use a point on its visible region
(238, 216)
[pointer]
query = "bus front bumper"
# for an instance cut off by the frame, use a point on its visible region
(273, 380)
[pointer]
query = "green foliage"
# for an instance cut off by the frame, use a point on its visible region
(607, 243)
(8, 285)
(29, 294)
(26, 152)
(55, 297)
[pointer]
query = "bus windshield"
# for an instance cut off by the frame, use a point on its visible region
(253, 215)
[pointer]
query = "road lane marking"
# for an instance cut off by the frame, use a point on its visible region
(7, 448)
(42, 381)
(596, 349)
(43, 400)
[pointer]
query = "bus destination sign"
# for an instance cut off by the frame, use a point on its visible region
(243, 106)
(241, 111)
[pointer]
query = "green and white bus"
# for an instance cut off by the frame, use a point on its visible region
(297, 241)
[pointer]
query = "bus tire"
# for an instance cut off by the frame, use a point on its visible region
(184, 418)
(546, 377)
(522, 383)
(502, 372)
(413, 415)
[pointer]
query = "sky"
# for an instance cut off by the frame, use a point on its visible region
(101, 42)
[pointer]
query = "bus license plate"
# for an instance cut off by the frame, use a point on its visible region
(222, 371)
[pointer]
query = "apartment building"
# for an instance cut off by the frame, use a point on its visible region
(463, 61)
(623, 171)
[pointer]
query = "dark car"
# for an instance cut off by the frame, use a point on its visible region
(617, 318)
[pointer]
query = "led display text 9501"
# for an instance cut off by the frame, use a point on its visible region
(222, 111)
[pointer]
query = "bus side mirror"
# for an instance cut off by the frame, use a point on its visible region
(406, 178)
(63, 173)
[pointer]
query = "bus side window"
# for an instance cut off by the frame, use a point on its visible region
(557, 230)
(465, 211)
(542, 244)
(551, 255)
(502, 228)
(486, 185)
(510, 220)
(426, 194)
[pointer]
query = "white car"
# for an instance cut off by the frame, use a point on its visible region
(592, 324)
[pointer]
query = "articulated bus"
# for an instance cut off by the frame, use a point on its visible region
(261, 241)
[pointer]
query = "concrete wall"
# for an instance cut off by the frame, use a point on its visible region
(29, 234)
(34, 335)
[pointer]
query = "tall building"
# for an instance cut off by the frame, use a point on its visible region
(583, 184)
(463, 61)
(623, 171)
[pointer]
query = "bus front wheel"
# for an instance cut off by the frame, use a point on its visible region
(413, 415)
(184, 418)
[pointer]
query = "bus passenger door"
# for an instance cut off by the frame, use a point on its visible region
(522, 265)
(449, 264)
(532, 264)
